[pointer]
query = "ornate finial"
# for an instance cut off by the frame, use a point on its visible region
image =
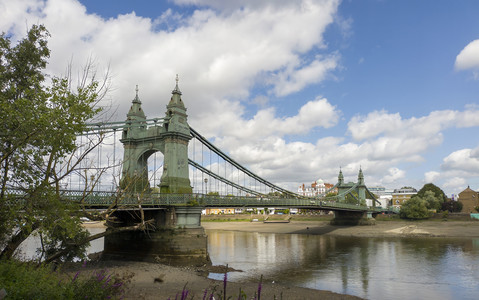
(137, 99)
(177, 89)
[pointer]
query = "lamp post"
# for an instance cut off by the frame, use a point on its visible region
(206, 185)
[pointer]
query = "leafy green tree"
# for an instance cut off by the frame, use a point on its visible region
(431, 201)
(452, 206)
(353, 198)
(414, 208)
(40, 122)
(438, 193)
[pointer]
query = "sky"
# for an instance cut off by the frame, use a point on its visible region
(294, 90)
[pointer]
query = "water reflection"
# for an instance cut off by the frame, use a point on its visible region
(28, 250)
(373, 268)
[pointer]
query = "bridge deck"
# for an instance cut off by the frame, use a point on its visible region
(151, 200)
(105, 199)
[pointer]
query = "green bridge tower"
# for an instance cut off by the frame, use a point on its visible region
(177, 235)
(171, 139)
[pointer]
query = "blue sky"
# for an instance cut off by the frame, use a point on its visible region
(292, 89)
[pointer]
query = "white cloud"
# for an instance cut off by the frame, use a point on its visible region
(455, 184)
(217, 54)
(431, 176)
(465, 160)
(468, 58)
(394, 174)
(295, 79)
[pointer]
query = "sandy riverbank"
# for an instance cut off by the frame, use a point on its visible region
(381, 229)
(157, 281)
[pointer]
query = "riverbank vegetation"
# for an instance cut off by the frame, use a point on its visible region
(41, 120)
(428, 200)
(24, 280)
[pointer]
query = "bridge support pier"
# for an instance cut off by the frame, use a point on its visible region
(352, 218)
(178, 238)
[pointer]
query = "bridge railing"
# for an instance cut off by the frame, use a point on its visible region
(105, 199)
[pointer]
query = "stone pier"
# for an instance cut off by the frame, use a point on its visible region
(178, 238)
(352, 218)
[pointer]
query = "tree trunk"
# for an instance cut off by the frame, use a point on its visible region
(16, 240)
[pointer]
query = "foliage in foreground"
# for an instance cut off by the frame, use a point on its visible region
(221, 294)
(31, 281)
(41, 117)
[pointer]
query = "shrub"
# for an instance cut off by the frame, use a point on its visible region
(452, 206)
(414, 208)
(25, 280)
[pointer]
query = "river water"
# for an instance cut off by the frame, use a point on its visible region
(372, 268)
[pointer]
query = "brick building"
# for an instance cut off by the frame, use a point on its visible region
(469, 199)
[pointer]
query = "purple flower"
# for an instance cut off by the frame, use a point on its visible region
(76, 276)
(204, 295)
(225, 279)
(259, 287)
(100, 275)
(184, 293)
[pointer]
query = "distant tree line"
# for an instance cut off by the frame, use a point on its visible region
(428, 199)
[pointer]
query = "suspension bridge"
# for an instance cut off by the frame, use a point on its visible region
(171, 172)
(191, 166)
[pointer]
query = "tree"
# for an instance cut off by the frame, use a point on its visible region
(432, 202)
(452, 206)
(40, 122)
(414, 208)
(353, 198)
(331, 194)
(438, 193)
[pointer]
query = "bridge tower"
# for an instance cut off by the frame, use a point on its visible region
(341, 186)
(361, 189)
(175, 178)
(171, 139)
(352, 217)
(178, 236)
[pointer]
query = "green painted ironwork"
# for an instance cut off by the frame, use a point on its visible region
(106, 199)
(171, 138)
(170, 135)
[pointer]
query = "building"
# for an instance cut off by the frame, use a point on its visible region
(316, 189)
(399, 196)
(220, 211)
(380, 191)
(469, 199)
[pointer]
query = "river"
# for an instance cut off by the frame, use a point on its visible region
(372, 268)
